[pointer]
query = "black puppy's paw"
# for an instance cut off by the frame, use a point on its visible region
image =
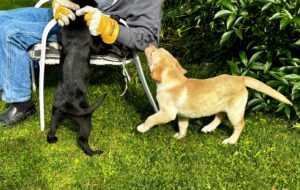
(51, 139)
(92, 153)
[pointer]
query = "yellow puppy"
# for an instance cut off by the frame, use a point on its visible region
(193, 98)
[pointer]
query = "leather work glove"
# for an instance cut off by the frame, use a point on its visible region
(62, 11)
(100, 24)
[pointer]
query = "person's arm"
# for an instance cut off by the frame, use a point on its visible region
(143, 19)
(144, 25)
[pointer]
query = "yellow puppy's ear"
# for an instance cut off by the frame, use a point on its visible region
(156, 73)
(180, 68)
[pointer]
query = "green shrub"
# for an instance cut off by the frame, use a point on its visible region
(265, 37)
(259, 38)
(188, 30)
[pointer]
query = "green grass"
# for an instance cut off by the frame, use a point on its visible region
(267, 155)
(11, 4)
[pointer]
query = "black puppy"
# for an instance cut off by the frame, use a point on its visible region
(70, 100)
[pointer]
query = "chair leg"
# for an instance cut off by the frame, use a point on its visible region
(33, 77)
(41, 97)
(46, 31)
(143, 80)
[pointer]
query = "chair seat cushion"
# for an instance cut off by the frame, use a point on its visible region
(53, 54)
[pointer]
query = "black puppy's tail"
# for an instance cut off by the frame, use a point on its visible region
(82, 112)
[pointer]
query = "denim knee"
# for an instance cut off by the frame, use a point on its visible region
(14, 64)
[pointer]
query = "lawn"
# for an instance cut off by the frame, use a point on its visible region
(267, 155)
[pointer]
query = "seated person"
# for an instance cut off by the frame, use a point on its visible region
(21, 28)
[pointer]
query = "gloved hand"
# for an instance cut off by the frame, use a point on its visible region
(100, 24)
(62, 11)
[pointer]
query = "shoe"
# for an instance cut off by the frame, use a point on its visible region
(12, 116)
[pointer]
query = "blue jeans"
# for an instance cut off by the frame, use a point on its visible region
(19, 30)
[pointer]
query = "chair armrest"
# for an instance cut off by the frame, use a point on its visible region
(40, 3)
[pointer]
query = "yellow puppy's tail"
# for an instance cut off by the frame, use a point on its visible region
(261, 87)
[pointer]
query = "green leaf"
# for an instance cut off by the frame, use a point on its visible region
(243, 4)
(281, 88)
(260, 47)
(281, 106)
(287, 13)
(296, 20)
(274, 83)
(225, 37)
(266, 6)
(295, 61)
(243, 57)
(244, 14)
(229, 5)
(250, 44)
(255, 56)
(295, 95)
(252, 74)
(238, 21)
(259, 106)
(239, 34)
(230, 20)
(258, 95)
(257, 66)
(296, 86)
(284, 22)
(296, 125)
(297, 43)
(295, 90)
(196, 8)
(283, 51)
(275, 16)
(233, 67)
(245, 73)
(254, 101)
(278, 77)
(292, 77)
(286, 68)
(297, 109)
(287, 112)
(267, 66)
(222, 13)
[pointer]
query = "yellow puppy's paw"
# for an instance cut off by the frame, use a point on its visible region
(141, 128)
(229, 141)
(179, 136)
(208, 129)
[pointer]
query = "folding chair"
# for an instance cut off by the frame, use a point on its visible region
(38, 52)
